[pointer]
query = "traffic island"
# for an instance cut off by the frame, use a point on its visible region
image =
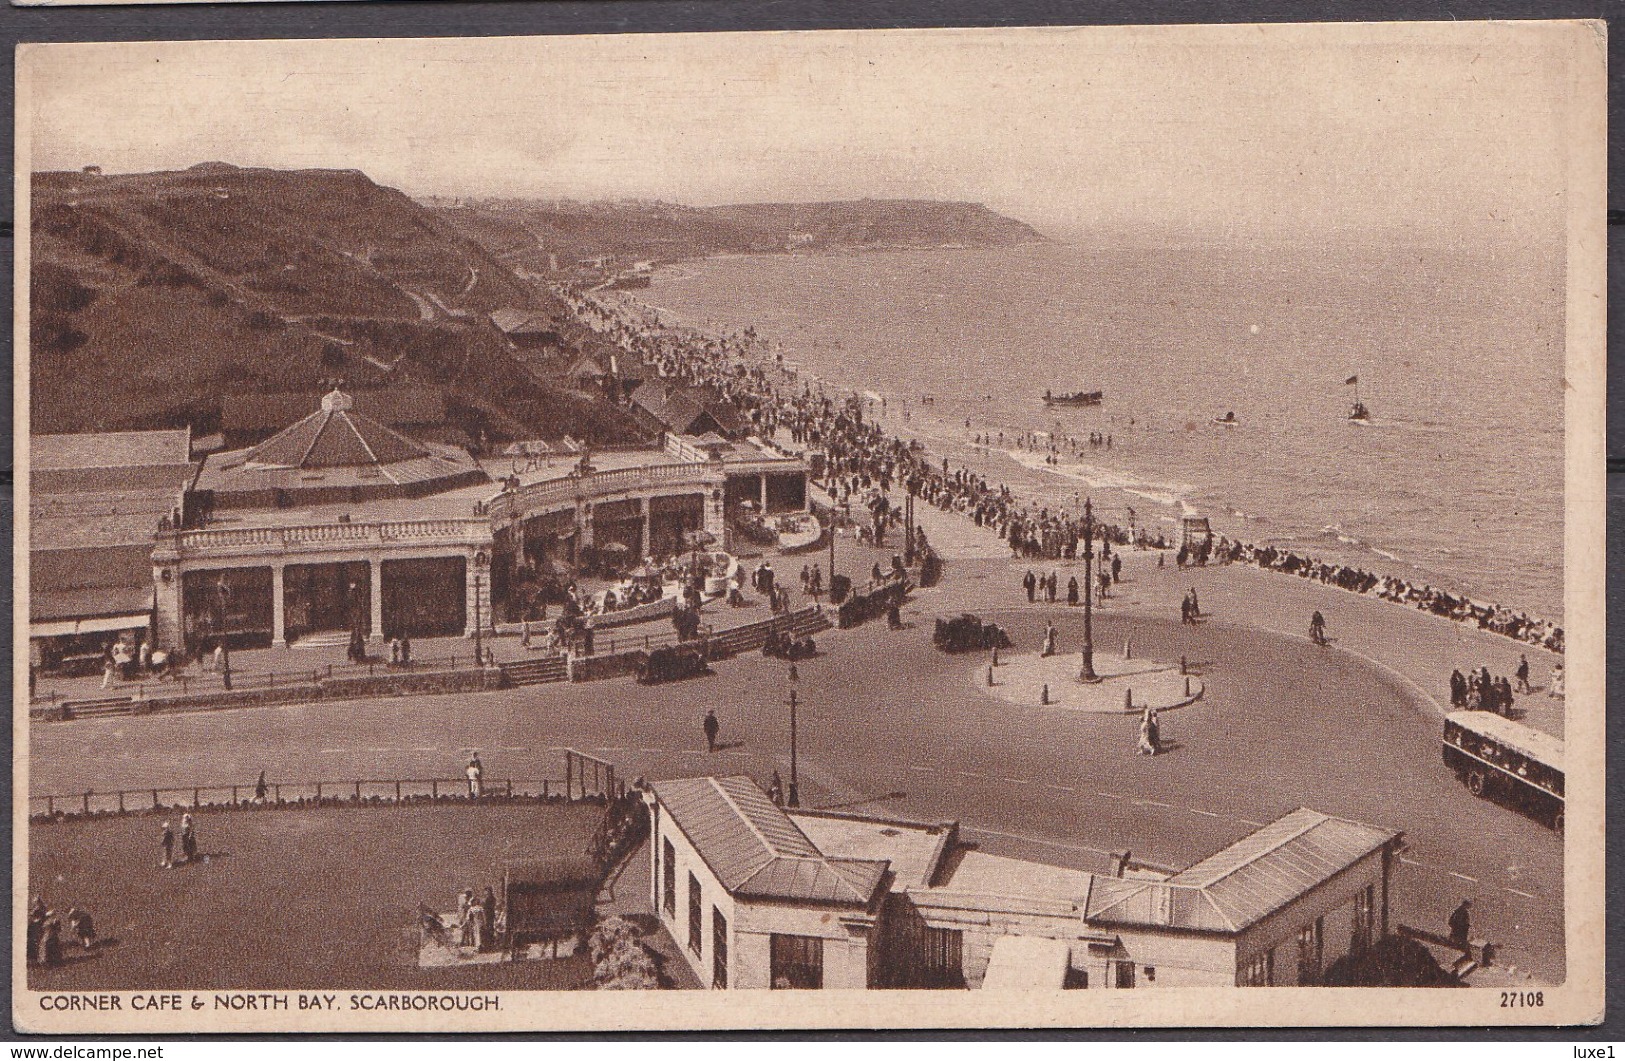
(1126, 685)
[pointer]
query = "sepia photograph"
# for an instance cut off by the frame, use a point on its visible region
(1049, 527)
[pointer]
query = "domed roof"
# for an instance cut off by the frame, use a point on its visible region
(335, 436)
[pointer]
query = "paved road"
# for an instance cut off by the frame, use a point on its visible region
(891, 725)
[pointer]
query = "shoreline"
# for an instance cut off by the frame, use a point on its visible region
(631, 311)
(1167, 453)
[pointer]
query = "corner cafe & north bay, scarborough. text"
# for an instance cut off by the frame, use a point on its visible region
(177, 1001)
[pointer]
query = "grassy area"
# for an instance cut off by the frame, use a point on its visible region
(292, 898)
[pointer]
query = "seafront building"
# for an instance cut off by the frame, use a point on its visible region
(338, 524)
(757, 896)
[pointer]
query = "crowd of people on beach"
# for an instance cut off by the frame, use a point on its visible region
(861, 459)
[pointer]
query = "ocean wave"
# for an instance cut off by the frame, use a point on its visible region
(1170, 494)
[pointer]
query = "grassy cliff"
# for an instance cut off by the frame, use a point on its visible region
(155, 295)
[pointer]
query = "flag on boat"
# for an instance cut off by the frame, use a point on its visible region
(1351, 379)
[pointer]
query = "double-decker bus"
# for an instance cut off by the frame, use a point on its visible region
(1498, 758)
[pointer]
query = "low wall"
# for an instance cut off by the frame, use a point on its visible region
(597, 668)
(656, 609)
(446, 681)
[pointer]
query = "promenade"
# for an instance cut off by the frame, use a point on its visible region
(890, 724)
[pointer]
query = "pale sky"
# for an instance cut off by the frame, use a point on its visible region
(1441, 128)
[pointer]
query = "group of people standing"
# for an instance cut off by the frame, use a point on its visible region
(1479, 690)
(49, 932)
(478, 919)
(187, 840)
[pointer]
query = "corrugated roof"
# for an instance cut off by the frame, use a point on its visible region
(756, 850)
(1245, 882)
(109, 449)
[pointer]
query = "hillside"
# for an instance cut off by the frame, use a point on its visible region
(557, 235)
(155, 295)
(883, 223)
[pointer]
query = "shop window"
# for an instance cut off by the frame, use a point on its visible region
(719, 949)
(797, 961)
(696, 914)
(669, 897)
(1259, 971)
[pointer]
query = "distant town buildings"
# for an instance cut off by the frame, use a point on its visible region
(757, 896)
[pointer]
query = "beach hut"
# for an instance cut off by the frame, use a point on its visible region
(549, 903)
(1196, 532)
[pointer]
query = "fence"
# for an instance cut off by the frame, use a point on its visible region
(585, 777)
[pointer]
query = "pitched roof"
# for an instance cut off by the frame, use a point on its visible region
(679, 407)
(523, 321)
(1244, 883)
(335, 436)
(754, 848)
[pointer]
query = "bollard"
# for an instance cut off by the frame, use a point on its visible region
(990, 677)
(1128, 649)
(1183, 666)
(1044, 696)
(1128, 699)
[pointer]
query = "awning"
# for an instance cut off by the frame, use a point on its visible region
(104, 624)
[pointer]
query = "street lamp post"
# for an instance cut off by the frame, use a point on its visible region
(1087, 672)
(795, 786)
(222, 595)
(480, 560)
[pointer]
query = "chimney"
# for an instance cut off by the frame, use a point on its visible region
(1119, 862)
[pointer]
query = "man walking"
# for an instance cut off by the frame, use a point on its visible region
(1030, 584)
(1522, 674)
(711, 727)
(476, 777)
(167, 842)
(1461, 924)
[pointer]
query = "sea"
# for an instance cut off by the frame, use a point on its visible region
(1456, 480)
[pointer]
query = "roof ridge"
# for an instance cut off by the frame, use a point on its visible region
(327, 418)
(1276, 846)
(751, 825)
(355, 430)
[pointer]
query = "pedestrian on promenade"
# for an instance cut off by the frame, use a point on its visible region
(81, 927)
(1117, 569)
(488, 911)
(188, 839)
(1105, 580)
(406, 651)
(1317, 628)
(775, 789)
(1461, 924)
(1555, 689)
(711, 727)
(259, 788)
(1030, 584)
(1049, 639)
(1072, 591)
(167, 842)
(1458, 689)
(1522, 674)
(1049, 587)
(1196, 605)
(109, 671)
(475, 772)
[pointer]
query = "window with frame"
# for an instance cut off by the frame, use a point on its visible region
(1311, 950)
(719, 949)
(941, 957)
(696, 915)
(796, 961)
(669, 897)
(1259, 971)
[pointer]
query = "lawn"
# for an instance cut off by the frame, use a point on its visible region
(293, 898)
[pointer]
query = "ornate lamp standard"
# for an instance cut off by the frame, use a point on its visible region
(1086, 673)
(795, 787)
(222, 598)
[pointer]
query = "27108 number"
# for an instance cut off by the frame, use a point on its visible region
(1521, 999)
